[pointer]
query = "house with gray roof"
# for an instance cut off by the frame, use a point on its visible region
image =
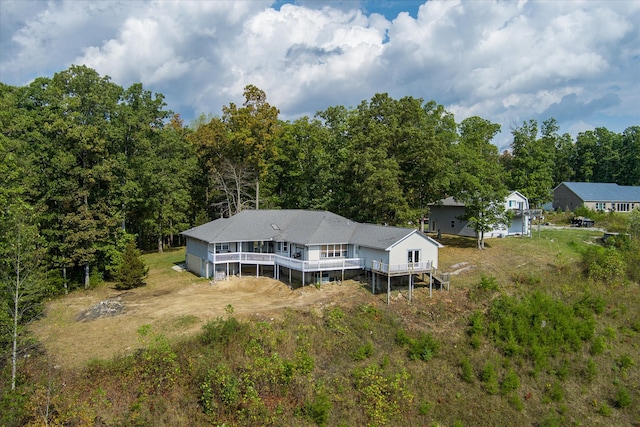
(309, 246)
(598, 196)
(446, 216)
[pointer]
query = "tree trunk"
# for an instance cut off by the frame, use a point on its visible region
(14, 349)
(86, 276)
(64, 279)
(160, 248)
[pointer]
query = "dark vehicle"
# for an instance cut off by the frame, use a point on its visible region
(580, 221)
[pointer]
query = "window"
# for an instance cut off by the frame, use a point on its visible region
(222, 247)
(600, 206)
(333, 251)
(623, 207)
(453, 224)
(413, 255)
(283, 246)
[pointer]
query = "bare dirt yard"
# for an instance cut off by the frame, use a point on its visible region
(103, 322)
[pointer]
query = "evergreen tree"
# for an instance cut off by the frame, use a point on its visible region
(132, 271)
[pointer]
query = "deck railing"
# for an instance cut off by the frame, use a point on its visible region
(283, 261)
(248, 257)
(406, 268)
(320, 265)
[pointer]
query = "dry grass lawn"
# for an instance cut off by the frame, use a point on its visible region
(173, 303)
(177, 303)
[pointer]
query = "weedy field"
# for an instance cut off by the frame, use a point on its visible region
(541, 331)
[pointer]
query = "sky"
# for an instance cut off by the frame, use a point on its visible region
(505, 61)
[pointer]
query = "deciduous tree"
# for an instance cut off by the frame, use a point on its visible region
(479, 181)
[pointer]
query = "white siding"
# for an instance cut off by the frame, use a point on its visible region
(428, 250)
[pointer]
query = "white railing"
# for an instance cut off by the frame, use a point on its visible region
(320, 265)
(249, 257)
(409, 267)
(293, 263)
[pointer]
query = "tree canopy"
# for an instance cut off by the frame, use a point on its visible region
(101, 164)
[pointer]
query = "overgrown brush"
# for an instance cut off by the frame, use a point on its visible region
(537, 327)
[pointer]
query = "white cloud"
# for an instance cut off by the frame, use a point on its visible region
(504, 61)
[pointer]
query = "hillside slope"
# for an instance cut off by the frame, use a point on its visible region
(522, 338)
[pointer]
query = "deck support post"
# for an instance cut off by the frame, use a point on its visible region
(373, 282)
(388, 288)
(430, 282)
(410, 286)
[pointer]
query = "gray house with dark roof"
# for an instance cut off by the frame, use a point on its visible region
(445, 217)
(312, 246)
(605, 197)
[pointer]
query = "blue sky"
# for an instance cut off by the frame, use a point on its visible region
(506, 61)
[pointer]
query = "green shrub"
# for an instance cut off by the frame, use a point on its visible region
(476, 324)
(475, 342)
(425, 408)
(598, 346)
(562, 372)
(335, 320)
(589, 303)
(552, 421)
(423, 348)
(623, 398)
(402, 338)
(586, 212)
(537, 326)
(511, 382)
(13, 407)
(526, 279)
(222, 331)
(605, 410)
(490, 379)
(467, 370)
(319, 409)
(624, 362)
(363, 352)
(381, 394)
(606, 265)
(590, 370)
(555, 392)
(488, 283)
(516, 402)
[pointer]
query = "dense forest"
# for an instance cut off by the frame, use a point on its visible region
(92, 165)
(89, 168)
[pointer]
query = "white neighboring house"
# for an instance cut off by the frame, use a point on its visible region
(444, 217)
(312, 246)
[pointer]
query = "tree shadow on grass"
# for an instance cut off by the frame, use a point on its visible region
(453, 241)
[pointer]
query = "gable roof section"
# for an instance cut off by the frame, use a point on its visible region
(518, 194)
(299, 226)
(605, 192)
(378, 236)
(451, 201)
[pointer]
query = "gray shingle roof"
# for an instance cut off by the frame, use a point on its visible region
(604, 192)
(303, 227)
